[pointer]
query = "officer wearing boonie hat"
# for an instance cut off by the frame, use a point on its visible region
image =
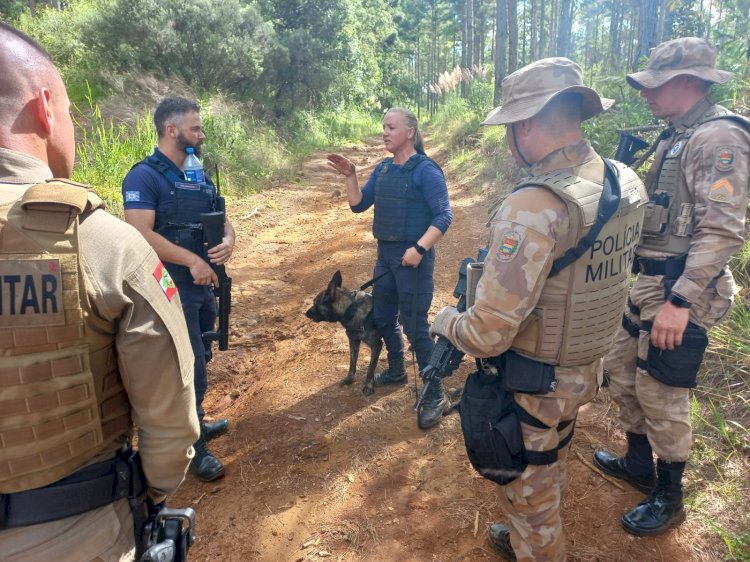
(529, 316)
(693, 225)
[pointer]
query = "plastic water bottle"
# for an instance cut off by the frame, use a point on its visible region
(192, 167)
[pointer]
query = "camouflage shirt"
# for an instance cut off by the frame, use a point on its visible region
(514, 276)
(715, 164)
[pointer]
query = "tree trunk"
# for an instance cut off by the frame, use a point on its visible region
(533, 49)
(542, 29)
(512, 35)
(566, 22)
(647, 18)
(501, 42)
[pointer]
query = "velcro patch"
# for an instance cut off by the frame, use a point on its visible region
(132, 196)
(721, 191)
(31, 293)
(724, 160)
(510, 242)
(165, 281)
(675, 150)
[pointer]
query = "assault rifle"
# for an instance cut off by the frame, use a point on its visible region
(445, 357)
(213, 234)
(629, 144)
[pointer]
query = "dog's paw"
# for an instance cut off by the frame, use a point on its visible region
(368, 389)
(346, 381)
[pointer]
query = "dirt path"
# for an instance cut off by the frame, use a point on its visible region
(316, 471)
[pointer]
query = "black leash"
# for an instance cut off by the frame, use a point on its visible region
(372, 281)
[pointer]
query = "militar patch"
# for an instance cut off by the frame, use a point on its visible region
(724, 158)
(132, 196)
(165, 281)
(31, 293)
(676, 149)
(721, 191)
(510, 242)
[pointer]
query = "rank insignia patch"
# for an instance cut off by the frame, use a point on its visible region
(510, 242)
(165, 281)
(724, 158)
(721, 191)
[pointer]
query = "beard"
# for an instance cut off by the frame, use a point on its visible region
(183, 143)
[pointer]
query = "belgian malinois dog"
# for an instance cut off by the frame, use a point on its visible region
(353, 309)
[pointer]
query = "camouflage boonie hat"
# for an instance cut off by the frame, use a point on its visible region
(529, 89)
(692, 56)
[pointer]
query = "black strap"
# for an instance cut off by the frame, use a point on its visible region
(671, 267)
(89, 488)
(163, 168)
(609, 202)
(630, 327)
(372, 281)
(551, 456)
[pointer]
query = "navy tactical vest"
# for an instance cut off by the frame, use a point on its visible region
(401, 213)
(181, 225)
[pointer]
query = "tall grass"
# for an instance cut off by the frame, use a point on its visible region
(106, 151)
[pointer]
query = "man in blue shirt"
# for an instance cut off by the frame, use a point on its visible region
(166, 210)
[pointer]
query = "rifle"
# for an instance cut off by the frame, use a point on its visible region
(445, 358)
(168, 534)
(213, 233)
(629, 144)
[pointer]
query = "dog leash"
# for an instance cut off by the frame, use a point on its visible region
(372, 281)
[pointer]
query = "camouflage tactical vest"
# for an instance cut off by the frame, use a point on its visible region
(579, 309)
(62, 401)
(670, 214)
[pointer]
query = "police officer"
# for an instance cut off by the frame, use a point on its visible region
(166, 210)
(544, 316)
(92, 340)
(412, 213)
(694, 224)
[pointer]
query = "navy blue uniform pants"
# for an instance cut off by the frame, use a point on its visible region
(406, 293)
(199, 306)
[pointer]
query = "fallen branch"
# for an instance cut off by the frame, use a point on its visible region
(249, 214)
(599, 472)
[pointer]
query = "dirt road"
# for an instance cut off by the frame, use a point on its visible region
(316, 471)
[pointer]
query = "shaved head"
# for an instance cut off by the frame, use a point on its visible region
(34, 106)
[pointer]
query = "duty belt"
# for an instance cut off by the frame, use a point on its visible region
(91, 487)
(671, 268)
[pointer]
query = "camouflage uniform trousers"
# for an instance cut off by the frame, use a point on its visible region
(533, 500)
(648, 406)
(104, 534)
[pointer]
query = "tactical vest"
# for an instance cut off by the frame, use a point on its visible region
(670, 214)
(181, 224)
(580, 308)
(401, 213)
(62, 401)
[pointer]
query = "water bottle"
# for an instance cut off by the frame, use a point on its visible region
(192, 167)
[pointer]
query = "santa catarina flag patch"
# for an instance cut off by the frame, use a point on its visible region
(165, 281)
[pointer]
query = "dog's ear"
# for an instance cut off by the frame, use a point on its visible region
(334, 284)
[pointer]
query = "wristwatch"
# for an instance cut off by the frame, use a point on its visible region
(678, 301)
(420, 249)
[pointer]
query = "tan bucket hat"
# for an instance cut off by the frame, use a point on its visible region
(527, 90)
(693, 56)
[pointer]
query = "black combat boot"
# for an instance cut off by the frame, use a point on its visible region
(436, 404)
(663, 507)
(204, 465)
(211, 430)
(394, 374)
(636, 467)
(500, 539)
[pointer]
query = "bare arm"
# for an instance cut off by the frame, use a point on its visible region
(144, 219)
(346, 168)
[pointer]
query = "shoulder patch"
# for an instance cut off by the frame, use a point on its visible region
(165, 281)
(132, 196)
(510, 242)
(675, 150)
(724, 159)
(721, 191)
